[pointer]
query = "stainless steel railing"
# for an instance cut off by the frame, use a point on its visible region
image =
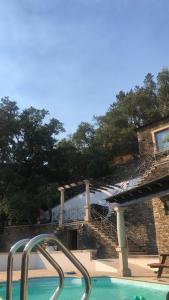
(57, 268)
(11, 254)
(36, 241)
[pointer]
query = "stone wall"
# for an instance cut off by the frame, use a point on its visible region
(89, 240)
(159, 168)
(162, 225)
(12, 234)
(85, 239)
(140, 227)
(145, 140)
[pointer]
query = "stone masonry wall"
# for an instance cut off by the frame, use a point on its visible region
(85, 240)
(88, 240)
(145, 142)
(12, 234)
(162, 225)
(140, 227)
(145, 137)
(161, 218)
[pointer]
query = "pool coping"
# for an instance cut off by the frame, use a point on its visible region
(155, 281)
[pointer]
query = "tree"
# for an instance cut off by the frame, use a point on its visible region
(9, 129)
(163, 91)
(26, 144)
(83, 137)
(116, 132)
(33, 162)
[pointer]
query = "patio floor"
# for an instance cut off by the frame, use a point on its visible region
(138, 266)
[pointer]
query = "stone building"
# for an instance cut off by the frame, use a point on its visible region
(139, 190)
(153, 138)
(147, 203)
(154, 148)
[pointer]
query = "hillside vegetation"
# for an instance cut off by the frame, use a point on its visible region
(34, 162)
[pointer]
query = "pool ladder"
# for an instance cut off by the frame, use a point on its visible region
(36, 242)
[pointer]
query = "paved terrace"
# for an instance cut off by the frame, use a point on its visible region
(138, 266)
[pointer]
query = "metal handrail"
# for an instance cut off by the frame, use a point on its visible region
(104, 223)
(13, 250)
(109, 229)
(144, 164)
(25, 261)
(11, 254)
(56, 266)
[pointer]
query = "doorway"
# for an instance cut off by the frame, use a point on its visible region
(73, 239)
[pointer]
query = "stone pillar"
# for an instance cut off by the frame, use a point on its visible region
(62, 198)
(123, 270)
(87, 206)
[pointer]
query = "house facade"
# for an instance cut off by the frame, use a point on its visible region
(154, 147)
(146, 222)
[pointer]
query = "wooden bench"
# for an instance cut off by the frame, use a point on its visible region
(161, 265)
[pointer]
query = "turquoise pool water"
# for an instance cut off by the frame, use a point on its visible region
(102, 289)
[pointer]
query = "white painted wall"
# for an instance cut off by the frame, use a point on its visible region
(37, 261)
(74, 207)
(83, 255)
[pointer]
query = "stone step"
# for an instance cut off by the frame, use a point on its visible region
(136, 253)
(133, 249)
(149, 171)
(155, 165)
(161, 163)
(106, 238)
(102, 235)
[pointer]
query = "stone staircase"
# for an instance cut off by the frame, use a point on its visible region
(103, 240)
(112, 241)
(157, 169)
(104, 231)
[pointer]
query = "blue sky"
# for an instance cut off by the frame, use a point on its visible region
(73, 56)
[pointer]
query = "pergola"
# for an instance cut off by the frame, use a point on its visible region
(156, 188)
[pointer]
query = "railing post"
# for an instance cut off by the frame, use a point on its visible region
(62, 199)
(11, 254)
(36, 241)
(122, 246)
(87, 206)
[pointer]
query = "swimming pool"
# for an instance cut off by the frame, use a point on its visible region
(103, 288)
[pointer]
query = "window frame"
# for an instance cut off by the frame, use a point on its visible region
(154, 132)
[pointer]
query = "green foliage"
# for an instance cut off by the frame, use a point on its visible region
(163, 91)
(84, 135)
(25, 146)
(33, 162)
(116, 131)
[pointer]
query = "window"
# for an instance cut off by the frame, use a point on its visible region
(162, 139)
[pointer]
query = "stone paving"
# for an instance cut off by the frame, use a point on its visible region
(138, 266)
